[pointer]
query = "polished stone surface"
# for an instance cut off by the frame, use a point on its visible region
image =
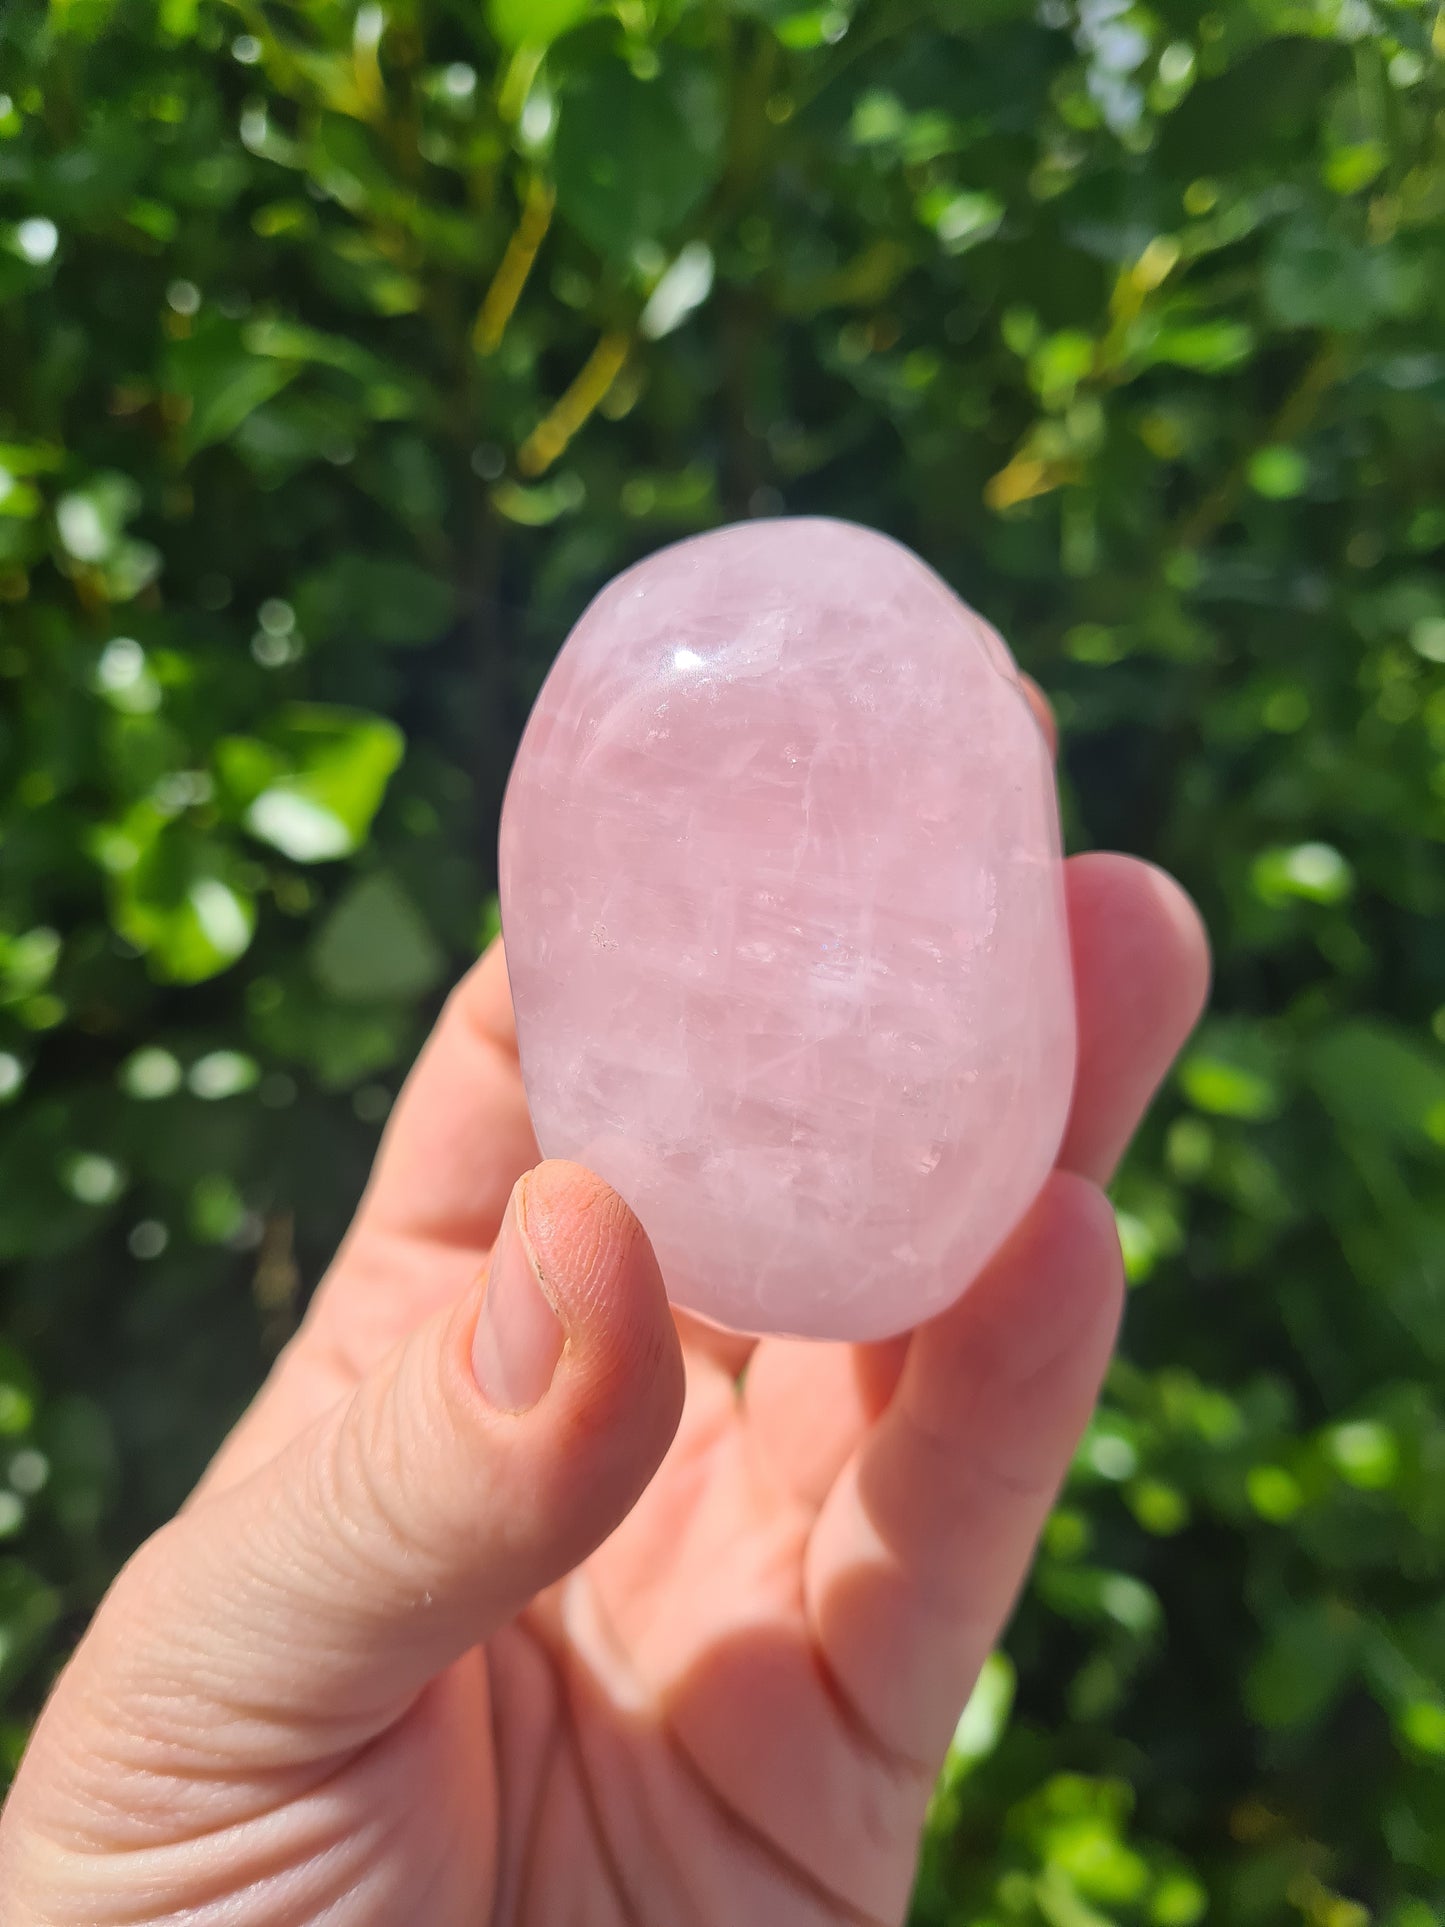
(782, 899)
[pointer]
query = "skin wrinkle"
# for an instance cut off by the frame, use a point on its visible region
(124, 1806)
(357, 1854)
(921, 1436)
(900, 1765)
(839, 1907)
(580, 1674)
(388, 1436)
(687, 1879)
(587, 1794)
(325, 1470)
(1031, 1492)
(599, 1240)
(341, 1875)
(761, 1842)
(277, 1788)
(330, 1566)
(366, 1441)
(889, 1758)
(181, 1692)
(512, 1880)
(949, 1615)
(133, 1856)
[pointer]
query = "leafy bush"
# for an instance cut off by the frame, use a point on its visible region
(345, 350)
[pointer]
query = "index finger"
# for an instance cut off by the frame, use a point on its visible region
(460, 1135)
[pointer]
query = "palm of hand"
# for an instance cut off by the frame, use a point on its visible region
(649, 1742)
(729, 1710)
(659, 1737)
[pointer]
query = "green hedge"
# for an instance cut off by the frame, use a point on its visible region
(345, 351)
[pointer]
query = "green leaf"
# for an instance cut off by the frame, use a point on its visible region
(1380, 1081)
(77, 1440)
(534, 23)
(30, 458)
(1212, 347)
(962, 218)
(1310, 1655)
(985, 1718)
(781, 16)
(28, 1609)
(81, 19)
(39, 1217)
(1317, 278)
(244, 767)
(91, 520)
(175, 895)
(1278, 472)
(634, 158)
(333, 766)
(378, 598)
(1310, 872)
(222, 1073)
(230, 391)
(17, 498)
(803, 28)
(275, 338)
(150, 1073)
(192, 937)
(1178, 1901)
(376, 944)
(179, 18)
(1089, 1593)
(27, 962)
(339, 1043)
(1352, 167)
(217, 1209)
(1228, 1090)
(1232, 1071)
(1365, 1453)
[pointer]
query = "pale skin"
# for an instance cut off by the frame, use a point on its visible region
(677, 1645)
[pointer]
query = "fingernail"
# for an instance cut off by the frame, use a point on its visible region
(518, 1339)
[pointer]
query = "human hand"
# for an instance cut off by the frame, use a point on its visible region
(512, 1604)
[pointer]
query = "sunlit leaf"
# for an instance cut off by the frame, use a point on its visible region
(1313, 872)
(1214, 1083)
(331, 771)
(534, 23)
(176, 897)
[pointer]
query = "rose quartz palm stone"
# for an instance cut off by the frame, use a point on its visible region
(782, 896)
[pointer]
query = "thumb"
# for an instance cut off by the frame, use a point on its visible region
(488, 1456)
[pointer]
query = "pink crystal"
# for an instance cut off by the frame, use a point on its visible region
(782, 897)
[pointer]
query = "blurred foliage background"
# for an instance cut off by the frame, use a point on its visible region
(345, 350)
